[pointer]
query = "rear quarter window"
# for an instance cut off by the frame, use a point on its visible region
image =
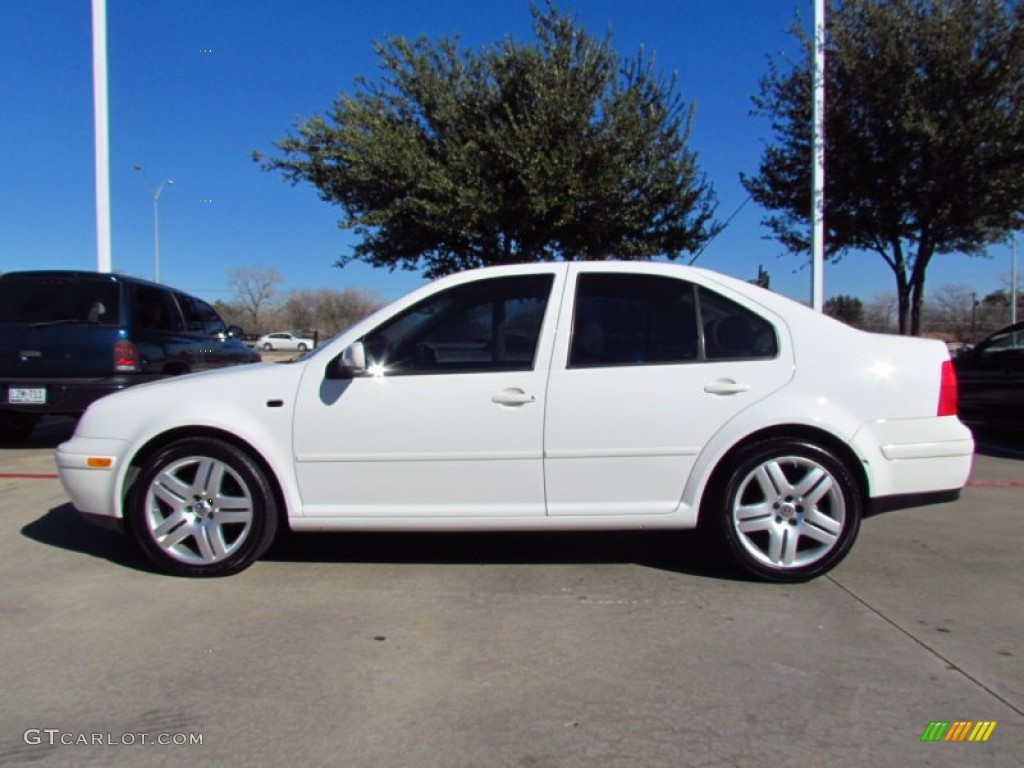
(733, 332)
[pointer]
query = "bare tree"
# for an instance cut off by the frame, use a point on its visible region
(255, 291)
(951, 310)
(880, 314)
(338, 310)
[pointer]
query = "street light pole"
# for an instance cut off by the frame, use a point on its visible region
(155, 191)
(1013, 278)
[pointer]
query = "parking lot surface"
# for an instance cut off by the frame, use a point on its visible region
(594, 650)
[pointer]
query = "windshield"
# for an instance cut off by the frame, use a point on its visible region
(46, 300)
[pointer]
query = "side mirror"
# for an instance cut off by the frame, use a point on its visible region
(350, 363)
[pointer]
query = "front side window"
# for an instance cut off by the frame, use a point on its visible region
(622, 319)
(200, 317)
(488, 325)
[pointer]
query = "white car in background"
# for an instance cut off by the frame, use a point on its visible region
(284, 340)
(558, 396)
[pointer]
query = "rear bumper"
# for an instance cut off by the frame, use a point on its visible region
(914, 457)
(67, 396)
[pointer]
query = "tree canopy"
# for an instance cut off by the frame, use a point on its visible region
(555, 149)
(924, 133)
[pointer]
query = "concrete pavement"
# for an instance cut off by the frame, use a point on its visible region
(511, 650)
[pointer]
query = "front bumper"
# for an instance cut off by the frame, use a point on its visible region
(90, 469)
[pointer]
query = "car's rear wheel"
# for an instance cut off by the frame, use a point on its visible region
(268, 346)
(202, 507)
(15, 426)
(787, 511)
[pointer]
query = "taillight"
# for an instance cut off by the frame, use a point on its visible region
(126, 357)
(947, 390)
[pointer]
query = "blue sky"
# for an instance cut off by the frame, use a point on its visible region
(196, 85)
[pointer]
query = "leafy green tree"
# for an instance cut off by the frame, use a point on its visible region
(924, 135)
(848, 309)
(516, 152)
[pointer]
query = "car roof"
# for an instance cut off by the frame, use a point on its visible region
(113, 277)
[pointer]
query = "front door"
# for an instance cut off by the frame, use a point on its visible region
(448, 421)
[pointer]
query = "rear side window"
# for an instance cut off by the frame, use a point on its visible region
(633, 320)
(653, 320)
(59, 300)
(155, 309)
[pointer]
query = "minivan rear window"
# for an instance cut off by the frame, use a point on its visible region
(59, 300)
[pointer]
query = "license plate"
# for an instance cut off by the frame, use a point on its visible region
(26, 396)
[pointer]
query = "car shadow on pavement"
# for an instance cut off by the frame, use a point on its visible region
(683, 552)
(62, 527)
(677, 551)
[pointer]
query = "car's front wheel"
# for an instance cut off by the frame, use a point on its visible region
(788, 510)
(202, 507)
(268, 346)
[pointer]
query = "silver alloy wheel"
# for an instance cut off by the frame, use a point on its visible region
(789, 512)
(198, 510)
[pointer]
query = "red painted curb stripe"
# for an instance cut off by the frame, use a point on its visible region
(996, 484)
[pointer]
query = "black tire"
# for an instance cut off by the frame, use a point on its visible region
(786, 510)
(15, 426)
(268, 346)
(302, 347)
(202, 507)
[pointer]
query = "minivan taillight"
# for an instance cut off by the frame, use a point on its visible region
(126, 357)
(947, 390)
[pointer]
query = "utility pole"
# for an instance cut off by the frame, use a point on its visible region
(1013, 278)
(102, 134)
(818, 180)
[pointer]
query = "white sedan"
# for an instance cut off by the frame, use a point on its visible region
(284, 340)
(560, 396)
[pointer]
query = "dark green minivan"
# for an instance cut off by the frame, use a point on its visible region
(69, 338)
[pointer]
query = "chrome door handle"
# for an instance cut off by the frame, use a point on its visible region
(512, 396)
(725, 387)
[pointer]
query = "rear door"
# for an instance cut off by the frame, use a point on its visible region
(653, 366)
